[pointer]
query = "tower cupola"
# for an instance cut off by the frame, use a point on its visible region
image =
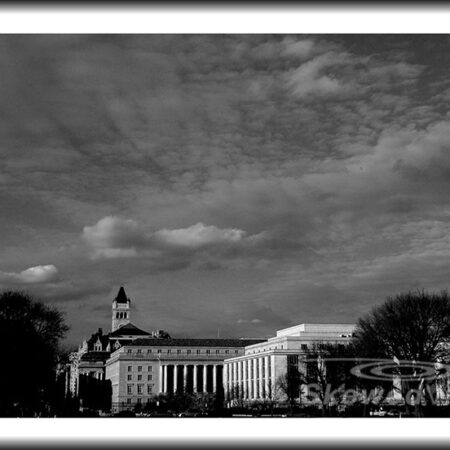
(121, 306)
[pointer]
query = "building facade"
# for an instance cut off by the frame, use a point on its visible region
(146, 368)
(134, 367)
(252, 376)
(140, 365)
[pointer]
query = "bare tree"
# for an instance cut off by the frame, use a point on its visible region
(327, 371)
(289, 384)
(236, 396)
(272, 396)
(411, 326)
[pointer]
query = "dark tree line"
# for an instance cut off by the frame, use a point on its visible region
(30, 332)
(95, 394)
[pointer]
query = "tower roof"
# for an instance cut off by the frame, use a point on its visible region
(121, 297)
(129, 330)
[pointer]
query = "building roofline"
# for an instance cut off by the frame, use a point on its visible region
(193, 342)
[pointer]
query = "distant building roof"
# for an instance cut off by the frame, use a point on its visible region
(187, 342)
(104, 339)
(121, 297)
(128, 330)
(305, 329)
(95, 356)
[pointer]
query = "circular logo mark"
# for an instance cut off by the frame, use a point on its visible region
(388, 370)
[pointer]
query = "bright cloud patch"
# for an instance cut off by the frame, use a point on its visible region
(199, 235)
(113, 232)
(309, 79)
(32, 275)
(115, 237)
(251, 321)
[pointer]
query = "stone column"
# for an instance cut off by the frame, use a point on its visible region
(215, 378)
(225, 380)
(255, 386)
(261, 380)
(185, 370)
(266, 378)
(175, 378)
(165, 378)
(194, 386)
(235, 381)
(230, 379)
(273, 367)
(249, 378)
(66, 383)
(161, 377)
(205, 374)
(239, 378)
(244, 379)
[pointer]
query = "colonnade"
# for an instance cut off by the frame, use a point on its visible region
(192, 378)
(248, 379)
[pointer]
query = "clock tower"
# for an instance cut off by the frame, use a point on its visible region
(120, 310)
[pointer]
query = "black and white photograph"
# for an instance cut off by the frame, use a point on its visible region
(225, 226)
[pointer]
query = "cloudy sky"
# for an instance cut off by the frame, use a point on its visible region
(240, 183)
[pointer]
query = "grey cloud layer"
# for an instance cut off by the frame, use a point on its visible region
(316, 167)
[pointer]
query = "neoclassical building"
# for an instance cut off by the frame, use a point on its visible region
(151, 366)
(140, 365)
(253, 375)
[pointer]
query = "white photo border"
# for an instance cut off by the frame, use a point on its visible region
(221, 18)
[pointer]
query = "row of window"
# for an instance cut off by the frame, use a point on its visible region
(130, 400)
(246, 380)
(140, 368)
(270, 348)
(140, 389)
(179, 351)
(121, 315)
(139, 378)
(303, 347)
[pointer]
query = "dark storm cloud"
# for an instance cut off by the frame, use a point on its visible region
(308, 173)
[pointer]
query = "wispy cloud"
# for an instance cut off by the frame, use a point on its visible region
(310, 78)
(251, 321)
(199, 235)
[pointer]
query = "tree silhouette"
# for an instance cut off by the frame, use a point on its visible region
(289, 384)
(327, 368)
(30, 332)
(412, 326)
